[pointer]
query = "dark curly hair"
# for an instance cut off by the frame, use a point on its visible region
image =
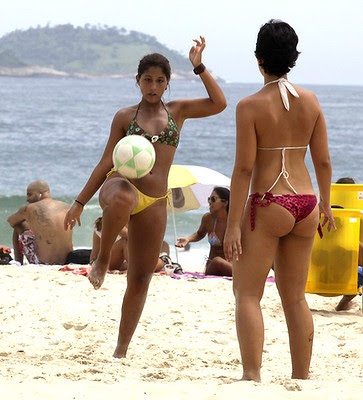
(276, 47)
(346, 179)
(155, 60)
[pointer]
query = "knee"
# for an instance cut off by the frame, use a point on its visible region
(246, 296)
(218, 266)
(140, 282)
(292, 301)
(121, 200)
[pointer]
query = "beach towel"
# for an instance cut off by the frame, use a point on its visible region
(201, 275)
(79, 270)
(197, 275)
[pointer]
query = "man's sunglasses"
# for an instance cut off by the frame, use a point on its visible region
(213, 199)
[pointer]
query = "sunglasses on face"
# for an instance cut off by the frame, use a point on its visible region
(213, 199)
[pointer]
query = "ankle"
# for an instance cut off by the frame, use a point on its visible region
(251, 376)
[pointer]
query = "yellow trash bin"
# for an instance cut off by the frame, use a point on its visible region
(333, 267)
(348, 195)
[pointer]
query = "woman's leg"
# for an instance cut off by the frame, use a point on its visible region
(117, 199)
(146, 232)
(119, 255)
(218, 266)
(249, 277)
(291, 270)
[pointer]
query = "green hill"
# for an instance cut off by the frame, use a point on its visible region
(88, 50)
(8, 59)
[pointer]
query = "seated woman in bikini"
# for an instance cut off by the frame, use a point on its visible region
(277, 223)
(141, 203)
(214, 225)
(119, 256)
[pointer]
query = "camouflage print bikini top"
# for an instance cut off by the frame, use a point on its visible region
(169, 135)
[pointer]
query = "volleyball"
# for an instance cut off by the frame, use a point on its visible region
(133, 156)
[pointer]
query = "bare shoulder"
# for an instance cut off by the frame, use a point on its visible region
(249, 100)
(126, 112)
(174, 106)
(124, 116)
(50, 205)
(207, 217)
(307, 95)
(61, 204)
(249, 104)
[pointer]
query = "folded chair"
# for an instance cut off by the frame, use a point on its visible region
(348, 196)
(333, 267)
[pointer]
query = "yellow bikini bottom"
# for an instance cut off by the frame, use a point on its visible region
(144, 201)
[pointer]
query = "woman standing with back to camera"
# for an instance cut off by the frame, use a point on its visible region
(142, 202)
(277, 223)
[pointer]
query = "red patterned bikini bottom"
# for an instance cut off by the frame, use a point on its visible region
(299, 205)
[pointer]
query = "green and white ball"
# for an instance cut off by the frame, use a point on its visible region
(133, 156)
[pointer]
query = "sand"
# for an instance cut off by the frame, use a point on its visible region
(58, 335)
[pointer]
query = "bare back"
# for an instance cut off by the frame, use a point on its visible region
(277, 127)
(45, 219)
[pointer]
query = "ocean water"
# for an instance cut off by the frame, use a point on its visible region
(56, 129)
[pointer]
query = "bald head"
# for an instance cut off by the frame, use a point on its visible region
(37, 190)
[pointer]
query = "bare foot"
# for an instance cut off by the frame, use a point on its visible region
(119, 354)
(251, 379)
(96, 273)
(345, 303)
(343, 306)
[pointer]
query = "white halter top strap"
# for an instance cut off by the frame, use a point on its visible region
(283, 173)
(283, 148)
(284, 85)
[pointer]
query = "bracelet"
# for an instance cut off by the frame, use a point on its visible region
(77, 201)
(199, 69)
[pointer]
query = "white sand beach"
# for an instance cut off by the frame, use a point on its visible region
(58, 335)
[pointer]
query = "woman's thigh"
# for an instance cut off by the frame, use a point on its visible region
(145, 236)
(118, 188)
(259, 247)
(293, 257)
(258, 251)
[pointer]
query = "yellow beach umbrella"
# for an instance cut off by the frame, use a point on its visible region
(191, 185)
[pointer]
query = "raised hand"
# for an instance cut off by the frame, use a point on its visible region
(195, 53)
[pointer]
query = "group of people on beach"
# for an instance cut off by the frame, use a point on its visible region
(269, 217)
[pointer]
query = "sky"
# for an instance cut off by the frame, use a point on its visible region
(330, 31)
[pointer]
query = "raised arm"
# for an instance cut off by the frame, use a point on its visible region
(246, 147)
(98, 175)
(215, 102)
(322, 165)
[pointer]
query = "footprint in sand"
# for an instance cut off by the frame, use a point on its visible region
(76, 326)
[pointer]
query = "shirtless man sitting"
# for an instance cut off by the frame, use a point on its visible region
(38, 228)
